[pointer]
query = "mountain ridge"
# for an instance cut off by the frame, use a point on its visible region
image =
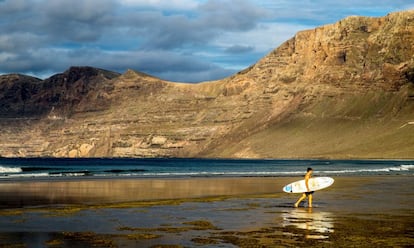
(343, 90)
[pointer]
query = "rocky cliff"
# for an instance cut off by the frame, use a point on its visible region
(344, 90)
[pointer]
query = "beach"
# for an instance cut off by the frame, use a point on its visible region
(356, 211)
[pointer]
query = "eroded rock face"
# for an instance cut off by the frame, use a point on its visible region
(15, 93)
(68, 92)
(339, 91)
(356, 53)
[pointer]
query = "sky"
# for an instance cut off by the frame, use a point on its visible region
(176, 40)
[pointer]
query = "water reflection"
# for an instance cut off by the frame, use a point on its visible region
(317, 224)
(32, 193)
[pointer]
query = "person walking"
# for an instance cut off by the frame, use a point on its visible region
(309, 193)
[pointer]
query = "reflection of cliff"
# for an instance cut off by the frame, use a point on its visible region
(124, 190)
(338, 91)
(317, 224)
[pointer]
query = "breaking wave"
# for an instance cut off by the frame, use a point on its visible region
(10, 169)
(407, 167)
(400, 168)
(191, 170)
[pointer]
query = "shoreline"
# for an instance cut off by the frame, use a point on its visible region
(246, 212)
(96, 191)
(113, 190)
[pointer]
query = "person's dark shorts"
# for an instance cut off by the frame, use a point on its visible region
(309, 193)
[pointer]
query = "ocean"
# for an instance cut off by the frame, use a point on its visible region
(11, 169)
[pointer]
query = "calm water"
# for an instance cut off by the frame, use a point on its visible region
(57, 168)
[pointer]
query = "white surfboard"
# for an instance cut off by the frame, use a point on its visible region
(315, 183)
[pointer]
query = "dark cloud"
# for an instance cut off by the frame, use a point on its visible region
(40, 37)
(176, 32)
(49, 36)
(79, 21)
(213, 18)
(236, 15)
(10, 7)
(85, 11)
(163, 64)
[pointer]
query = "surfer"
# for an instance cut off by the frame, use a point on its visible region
(308, 193)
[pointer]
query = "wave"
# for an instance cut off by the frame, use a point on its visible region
(10, 169)
(26, 175)
(70, 173)
(407, 167)
(35, 172)
(123, 171)
(400, 168)
(4, 169)
(36, 168)
(227, 173)
(45, 174)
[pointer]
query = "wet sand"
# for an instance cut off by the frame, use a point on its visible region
(373, 211)
(97, 191)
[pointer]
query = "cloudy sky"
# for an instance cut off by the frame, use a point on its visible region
(177, 40)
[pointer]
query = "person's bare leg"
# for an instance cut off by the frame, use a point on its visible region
(310, 200)
(300, 199)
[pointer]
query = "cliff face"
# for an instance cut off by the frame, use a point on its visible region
(15, 91)
(344, 90)
(353, 88)
(23, 96)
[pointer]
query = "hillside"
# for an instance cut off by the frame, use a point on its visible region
(344, 90)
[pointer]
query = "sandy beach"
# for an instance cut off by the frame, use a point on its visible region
(372, 211)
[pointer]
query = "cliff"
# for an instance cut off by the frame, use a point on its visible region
(344, 90)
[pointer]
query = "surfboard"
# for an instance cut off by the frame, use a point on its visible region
(315, 183)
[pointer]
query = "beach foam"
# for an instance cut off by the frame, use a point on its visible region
(178, 168)
(371, 171)
(4, 169)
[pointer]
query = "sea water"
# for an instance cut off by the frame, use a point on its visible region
(171, 168)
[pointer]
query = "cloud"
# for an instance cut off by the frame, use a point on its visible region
(82, 11)
(179, 40)
(79, 21)
(172, 66)
(235, 49)
(236, 15)
(161, 4)
(209, 21)
(13, 6)
(44, 36)
(176, 32)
